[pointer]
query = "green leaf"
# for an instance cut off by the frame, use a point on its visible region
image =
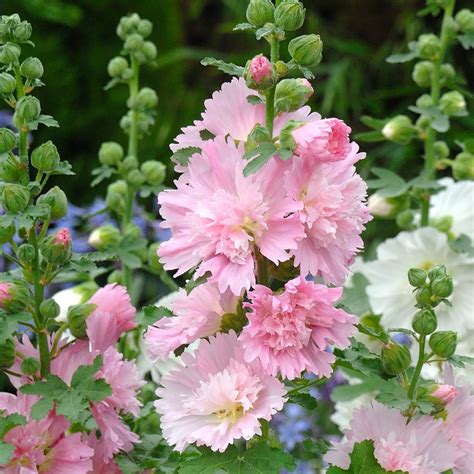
(86, 262)
(317, 447)
(373, 383)
(6, 451)
(376, 334)
(372, 122)
(244, 27)
(401, 57)
(41, 408)
(129, 250)
(460, 361)
(104, 172)
(64, 168)
(259, 156)
(421, 182)
(254, 99)
(370, 137)
(112, 83)
(181, 157)
(305, 400)
(358, 358)
(228, 68)
(151, 314)
(355, 297)
(389, 184)
(258, 459)
(9, 323)
(9, 422)
(462, 244)
(265, 30)
(467, 40)
(408, 332)
(47, 120)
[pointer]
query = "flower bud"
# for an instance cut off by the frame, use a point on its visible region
(452, 103)
(145, 99)
(116, 196)
(259, 134)
(154, 172)
(28, 108)
(417, 277)
(45, 157)
(14, 296)
(153, 259)
(144, 28)
(32, 68)
(9, 53)
(444, 393)
(127, 25)
(289, 15)
(49, 309)
(292, 94)
(110, 153)
(30, 366)
(447, 73)
(260, 12)
(22, 32)
(7, 233)
(463, 166)
(7, 353)
(395, 358)
(26, 254)
(56, 199)
(424, 101)
(424, 297)
(105, 237)
(72, 296)
(422, 73)
(3, 32)
(465, 20)
(441, 150)
(281, 68)
(129, 163)
(380, 206)
(135, 179)
(7, 83)
(7, 140)
(442, 286)
(259, 73)
(15, 198)
(57, 248)
(117, 66)
(76, 318)
(149, 51)
(133, 42)
(400, 129)
(425, 322)
(9, 169)
(436, 271)
(429, 46)
(443, 343)
(306, 50)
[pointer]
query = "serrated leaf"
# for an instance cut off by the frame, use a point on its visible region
(72, 405)
(259, 157)
(6, 451)
(9, 323)
(254, 99)
(408, 332)
(460, 361)
(389, 184)
(462, 245)
(104, 172)
(317, 447)
(64, 168)
(401, 57)
(258, 459)
(46, 120)
(244, 27)
(112, 83)
(264, 31)
(152, 314)
(467, 40)
(50, 387)
(41, 408)
(355, 297)
(181, 157)
(305, 400)
(9, 422)
(373, 383)
(421, 182)
(376, 334)
(228, 68)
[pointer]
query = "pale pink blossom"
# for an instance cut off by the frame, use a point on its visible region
(197, 315)
(290, 332)
(334, 213)
(417, 447)
(445, 393)
(4, 293)
(324, 140)
(219, 218)
(113, 315)
(260, 69)
(62, 237)
(216, 398)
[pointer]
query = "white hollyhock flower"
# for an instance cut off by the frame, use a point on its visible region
(343, 411)
(391, 295)
(72, 296)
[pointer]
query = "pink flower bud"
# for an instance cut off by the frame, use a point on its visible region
(304, 82)
(62, 237)
(5, 295)
(445, 393)
(260, 69)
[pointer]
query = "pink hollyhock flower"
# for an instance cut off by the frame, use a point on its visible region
(290, 332)
(325, 140)
(42, 446)
(260, 68)
(219, 218)
(334, 213)
(198, 314)
(229, 112)
(217, 398)
(4, 293)
(419, 447)
(112, 316)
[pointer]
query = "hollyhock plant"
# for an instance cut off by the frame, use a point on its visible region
(197, 315)
(217, 397)
(290, 332)
(221, 220)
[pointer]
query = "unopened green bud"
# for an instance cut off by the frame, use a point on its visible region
(30, 366)
(429, 46)
(15, 198)
(133, 42)
(135, 178)
(9, 169)
(7, 140)
(9, 53)
(452, 103)
(116, 196)
(463, 166)
(260, 12)
(259, 134)
(14, 296)
(400, 129)
(45, 157)
(289, 15)
(442, 286)
(306, 50)
(405, 219)
(154, 172)
(425, 322)
(441, 150)
(417, 277)
(145, 99)
(126, 123)
(32, 68)
(57, 248)
(117, 66)
(7, 353)
(292, 94)
(49, 309)
(422, 73)
(105, 237)
(128, 24)
(76, 318)
(281, 68)
(437, 271)
(28, 108)
(7, 233)
(443, 343)
(56, 199)
(424, 101)
(424, 297)
(7, 83)
(3, 32)
(465, 20)
(129, 163)
(110, 153)
(395, 358)
(447, 73)
(443, 224)
(149, 51)
(26, 254)
(22, 32)
(144, 28)
(153, 259)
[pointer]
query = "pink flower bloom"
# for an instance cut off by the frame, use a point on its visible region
(112, 316)
(445, 393)
(260, 68)
(334, 213)
(62, 237)
(419, 447)
(198, 314)
(216, 398)
(4, 293)
(325, 140)
(219, 218)
(290, 332)
(229, 112)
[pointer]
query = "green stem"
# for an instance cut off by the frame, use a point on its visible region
(304, 387)
(429, 152)
(270, 102)
(419, 366)
(57, 337)
(22, 133)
